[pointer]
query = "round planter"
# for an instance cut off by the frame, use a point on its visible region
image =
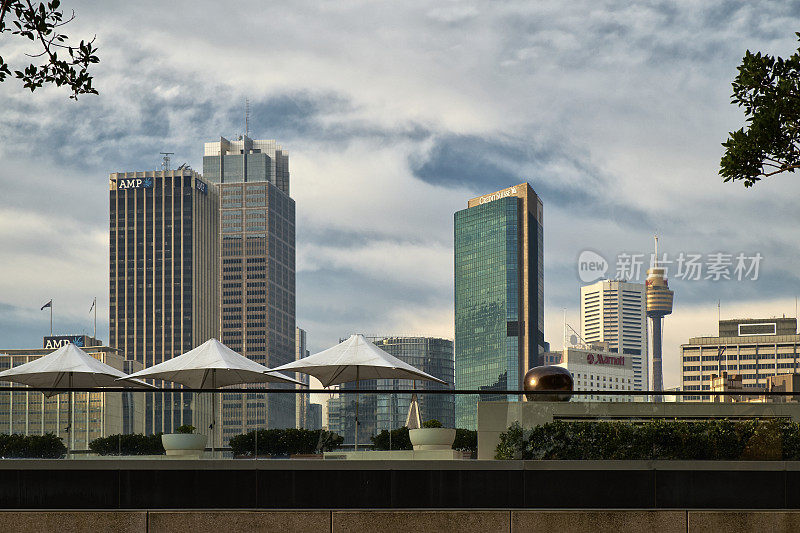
(184, 443)
(432, 438)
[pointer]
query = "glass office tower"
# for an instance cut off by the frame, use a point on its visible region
(163, 279)
(499, 295)
(256, 271)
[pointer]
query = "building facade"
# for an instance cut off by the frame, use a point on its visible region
(615, 312)
(378, 412)
(314, 418)
(754, 349)
(302, 403)
(95, 414)
(596, 369)
(163, 278)
(499, 295)
(256, 271)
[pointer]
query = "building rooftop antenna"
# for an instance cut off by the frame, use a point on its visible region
(247, 117)
(166, 160)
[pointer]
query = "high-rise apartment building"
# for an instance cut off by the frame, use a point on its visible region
(614, 312)
(163, 261)
(754, 349)
(377, 412)
(499, 295)
(256, 271)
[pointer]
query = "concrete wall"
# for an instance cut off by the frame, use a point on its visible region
(466, 521)
(495, 417)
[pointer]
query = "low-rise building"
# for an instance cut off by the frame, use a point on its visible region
(95, 414)
(594, 368)
(753, 349)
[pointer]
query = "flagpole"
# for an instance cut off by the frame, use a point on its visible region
(95, 318)
(51, 317)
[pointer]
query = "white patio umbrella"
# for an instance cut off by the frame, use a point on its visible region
(69, 367)
(209, 366)
(353, 360)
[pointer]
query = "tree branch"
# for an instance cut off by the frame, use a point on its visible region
(3, 8)
(784, 169)
(52, 57)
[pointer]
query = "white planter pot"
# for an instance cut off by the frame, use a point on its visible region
(432, 438)
(184, 443)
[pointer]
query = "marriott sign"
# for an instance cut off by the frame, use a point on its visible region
(600, 359)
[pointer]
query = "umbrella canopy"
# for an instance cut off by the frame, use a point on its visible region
(352, 360)
(68, 367)
(212, 365)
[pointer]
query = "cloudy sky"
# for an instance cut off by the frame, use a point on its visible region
(394, 116)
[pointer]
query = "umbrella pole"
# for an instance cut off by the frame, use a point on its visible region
(213, 411)
(357, 395)
(71, 436)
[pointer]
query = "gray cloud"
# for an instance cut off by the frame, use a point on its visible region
(613, 111)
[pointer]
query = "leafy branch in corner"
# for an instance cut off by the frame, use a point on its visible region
(63, 63)
(768, 89)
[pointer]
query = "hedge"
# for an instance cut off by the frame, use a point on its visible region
(770, 439)
(128, 444)
(466, 440)
(284, 442)
(46, 446)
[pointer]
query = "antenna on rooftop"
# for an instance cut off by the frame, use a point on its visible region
(246, 117)
(165, 161)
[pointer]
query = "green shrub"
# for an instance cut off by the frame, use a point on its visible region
(433, 423)
(770, 439)
(185, 429)
(128, 444)
(466, 441)
(400, 440)
(283, 442)
(46, 446)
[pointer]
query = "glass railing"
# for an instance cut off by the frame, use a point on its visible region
(249, 424)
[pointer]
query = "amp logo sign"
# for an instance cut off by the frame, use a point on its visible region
(53, 342)
(134, 183)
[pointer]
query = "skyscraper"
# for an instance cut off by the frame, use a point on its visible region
(388, 411)
(256, 270)
(499, 294)
(162, 278)
(614, 312)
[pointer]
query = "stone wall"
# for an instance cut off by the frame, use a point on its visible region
(378, 521)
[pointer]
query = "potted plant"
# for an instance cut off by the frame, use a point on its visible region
(432, 436)
(184, 442)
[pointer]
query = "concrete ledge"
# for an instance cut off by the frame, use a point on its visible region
(421, 521)
(743, 521)
(239, 521)
(598, 521)
(73, 521)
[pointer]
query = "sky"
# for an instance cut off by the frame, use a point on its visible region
(394, 116)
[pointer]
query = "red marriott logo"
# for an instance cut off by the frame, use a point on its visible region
(598, 359)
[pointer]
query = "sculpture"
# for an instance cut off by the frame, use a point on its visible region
(549, 378)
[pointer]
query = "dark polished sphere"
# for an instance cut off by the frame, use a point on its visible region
(550, 378)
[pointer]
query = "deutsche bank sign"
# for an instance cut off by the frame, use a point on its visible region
(134, 183)
(200, 186)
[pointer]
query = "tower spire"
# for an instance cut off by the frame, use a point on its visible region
(655, 261)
